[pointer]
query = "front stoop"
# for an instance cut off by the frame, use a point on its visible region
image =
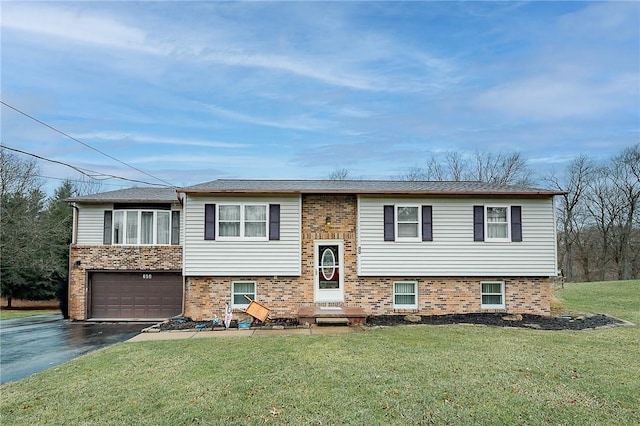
(334, 315)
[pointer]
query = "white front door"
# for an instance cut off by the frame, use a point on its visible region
(328, 271)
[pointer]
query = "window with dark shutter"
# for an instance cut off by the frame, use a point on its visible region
(427, 223)
(274, 221)
(106, 234)
(175, 228)
(209, 221)
(478, 223)
(389, 223)
(516, 223)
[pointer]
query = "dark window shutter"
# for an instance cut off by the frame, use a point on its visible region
(427, 223)
(274, 221)
(389, 233)
(106, 234)
(478, 223)
(175, 228)
(209, 221)
(516, 223)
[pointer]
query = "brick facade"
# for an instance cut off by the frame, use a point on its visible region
(114, 258)
(206, 296)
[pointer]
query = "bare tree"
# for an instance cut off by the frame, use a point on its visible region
(17, 176)
(414, 173)
(86, 186)
(501, 168)
(507, 169)
(340, 174)
(602, 202)
(572, 210)
(452, 167)
(625, 176)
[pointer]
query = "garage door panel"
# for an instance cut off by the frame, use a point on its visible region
(118, 295)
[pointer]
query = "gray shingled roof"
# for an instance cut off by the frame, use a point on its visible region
(221, 186)
(131, 195)
(363, 187)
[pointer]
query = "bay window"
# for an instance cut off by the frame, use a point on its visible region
(143, 227)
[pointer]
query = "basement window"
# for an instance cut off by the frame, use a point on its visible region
(405, 295)
(240, 290)
(492, 295)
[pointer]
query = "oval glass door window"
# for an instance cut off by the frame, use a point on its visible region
(328, 264)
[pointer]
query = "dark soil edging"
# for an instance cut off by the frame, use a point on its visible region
(538, 322)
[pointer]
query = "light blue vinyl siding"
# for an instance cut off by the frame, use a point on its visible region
(453, 251)
(242, 258)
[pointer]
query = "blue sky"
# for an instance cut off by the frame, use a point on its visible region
(194, 91)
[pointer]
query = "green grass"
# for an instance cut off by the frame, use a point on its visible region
(21, 313)
(395, 376)
(618, 298)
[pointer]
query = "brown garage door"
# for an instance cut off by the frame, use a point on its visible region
(135, 295)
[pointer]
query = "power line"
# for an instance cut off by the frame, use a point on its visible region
(83, 143)
(77, 181)
(85, 172)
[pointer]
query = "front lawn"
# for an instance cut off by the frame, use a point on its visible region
(400, 375)
(21, 313)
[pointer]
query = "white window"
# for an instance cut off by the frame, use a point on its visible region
(408, 223)
(146, 228)
(240, 290)
(497, 223)
(118, 227)
(163, 228)
(141, 227)
(242, 221)
(492, 295)
(405, 295)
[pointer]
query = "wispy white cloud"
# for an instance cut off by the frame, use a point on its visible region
(293, 123)
(160, 140)
(558, 96)
(227, 46)
(76, 25)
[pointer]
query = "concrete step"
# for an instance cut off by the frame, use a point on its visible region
(332, 321)
(350, 315)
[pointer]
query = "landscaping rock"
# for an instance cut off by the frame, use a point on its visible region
(413, 318)
(514, 317)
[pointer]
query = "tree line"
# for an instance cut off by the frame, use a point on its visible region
(35, 232)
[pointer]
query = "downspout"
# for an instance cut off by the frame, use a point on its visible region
(74, 230)
(74, 241)
(183, 237)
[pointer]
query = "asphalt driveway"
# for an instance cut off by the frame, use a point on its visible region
(33, 344)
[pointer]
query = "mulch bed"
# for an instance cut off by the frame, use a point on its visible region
(538, 322)
(499, 320)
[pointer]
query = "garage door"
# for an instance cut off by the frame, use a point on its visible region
(135, 295)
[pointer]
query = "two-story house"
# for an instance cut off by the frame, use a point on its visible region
(385, 247)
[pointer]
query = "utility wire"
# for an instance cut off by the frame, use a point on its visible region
(77, 181)
(85, 172)
(83, 143)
